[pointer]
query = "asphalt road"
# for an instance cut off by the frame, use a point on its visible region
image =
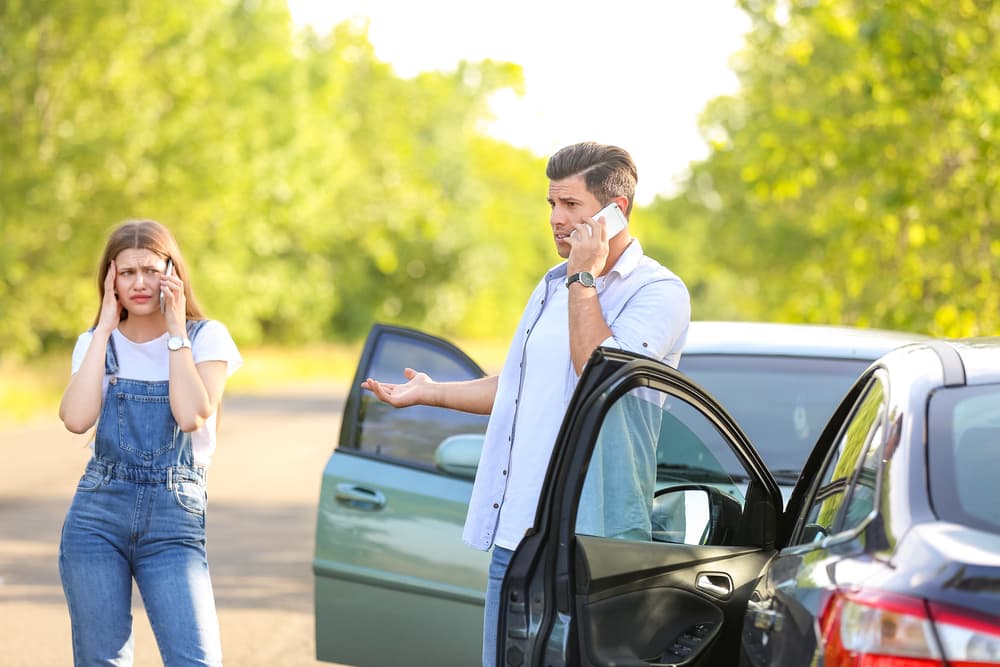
(263, 488)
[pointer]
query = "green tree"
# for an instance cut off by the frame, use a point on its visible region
(853, 178)
(312, 190)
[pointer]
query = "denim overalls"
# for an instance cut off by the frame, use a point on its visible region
(139, 511)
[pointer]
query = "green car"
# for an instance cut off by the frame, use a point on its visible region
(394, 583)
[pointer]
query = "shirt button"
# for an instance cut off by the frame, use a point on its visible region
(505, 472)
(496, 506)
(645, 344)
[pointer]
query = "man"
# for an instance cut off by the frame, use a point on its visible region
(605, 293)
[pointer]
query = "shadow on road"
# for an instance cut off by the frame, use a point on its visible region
(261, 558)
(263, 489)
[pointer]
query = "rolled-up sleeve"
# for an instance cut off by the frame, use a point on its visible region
(653, 321)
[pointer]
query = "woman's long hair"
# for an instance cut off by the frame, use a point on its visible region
(146, 235)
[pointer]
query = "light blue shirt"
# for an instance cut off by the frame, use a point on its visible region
(648, 310)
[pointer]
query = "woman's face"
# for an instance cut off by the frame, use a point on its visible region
(137, 280)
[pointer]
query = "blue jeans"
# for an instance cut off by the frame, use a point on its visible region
(491, 615)
(117, 529)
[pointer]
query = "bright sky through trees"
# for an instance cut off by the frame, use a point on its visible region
(631, 72)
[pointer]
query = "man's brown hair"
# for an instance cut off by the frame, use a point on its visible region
(608, 171)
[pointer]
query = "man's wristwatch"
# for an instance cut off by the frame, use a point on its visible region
(585, 278)
(175, 343)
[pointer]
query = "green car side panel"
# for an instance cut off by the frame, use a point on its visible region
(389, 576)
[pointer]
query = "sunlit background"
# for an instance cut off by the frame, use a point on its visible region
(328, 165)
(632, 73)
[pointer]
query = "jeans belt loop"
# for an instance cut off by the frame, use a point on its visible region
(170, 479)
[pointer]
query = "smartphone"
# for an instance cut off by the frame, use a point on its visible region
(613, 218)
(168, 271)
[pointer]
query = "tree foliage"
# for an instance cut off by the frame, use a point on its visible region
(312, 190)
(853, 178)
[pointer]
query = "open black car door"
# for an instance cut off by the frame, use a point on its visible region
(653, 526)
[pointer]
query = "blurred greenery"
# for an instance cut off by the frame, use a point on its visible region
(851, 179)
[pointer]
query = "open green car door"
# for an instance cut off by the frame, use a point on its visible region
(390, 567)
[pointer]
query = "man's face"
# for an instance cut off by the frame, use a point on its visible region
(571, 202)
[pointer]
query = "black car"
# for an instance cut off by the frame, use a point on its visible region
(888, 552)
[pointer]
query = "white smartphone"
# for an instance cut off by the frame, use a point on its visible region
(168, 271)
(613, 218)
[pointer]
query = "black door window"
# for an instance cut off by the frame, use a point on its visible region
(855, 458)
(410, 435)
(661, 471)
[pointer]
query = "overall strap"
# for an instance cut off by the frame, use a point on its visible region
(110, 355)
(193, 327)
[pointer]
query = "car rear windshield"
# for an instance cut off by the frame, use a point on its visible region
(783, 403)
(964, 450)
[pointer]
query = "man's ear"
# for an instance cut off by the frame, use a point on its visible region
(622, 202)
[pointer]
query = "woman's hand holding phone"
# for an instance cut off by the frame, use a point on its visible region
(172, 299)
(168, 271)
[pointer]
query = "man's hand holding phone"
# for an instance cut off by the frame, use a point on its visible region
(589, 250)
(614, 219)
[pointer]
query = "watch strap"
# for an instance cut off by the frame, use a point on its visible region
(585, 278)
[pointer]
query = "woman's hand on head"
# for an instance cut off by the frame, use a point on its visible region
(111, 309)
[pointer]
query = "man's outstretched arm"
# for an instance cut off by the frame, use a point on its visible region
(475, 396)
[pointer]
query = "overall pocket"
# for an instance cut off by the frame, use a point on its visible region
(191, 497)
(91, 480)
(146, 426)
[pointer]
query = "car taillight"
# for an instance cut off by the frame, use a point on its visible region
(968, 639)
(875, 629)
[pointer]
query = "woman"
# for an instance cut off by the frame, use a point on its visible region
(150, 374)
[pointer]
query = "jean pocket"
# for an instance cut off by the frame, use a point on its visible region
(90, 481)
(191, 497)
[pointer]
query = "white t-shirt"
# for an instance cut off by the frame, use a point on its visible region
(150, 361)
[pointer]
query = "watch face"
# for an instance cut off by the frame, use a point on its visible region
(585, 278)
(176, 343)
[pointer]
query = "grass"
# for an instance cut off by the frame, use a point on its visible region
(32, 390)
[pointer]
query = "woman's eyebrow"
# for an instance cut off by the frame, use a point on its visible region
(144, 267)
